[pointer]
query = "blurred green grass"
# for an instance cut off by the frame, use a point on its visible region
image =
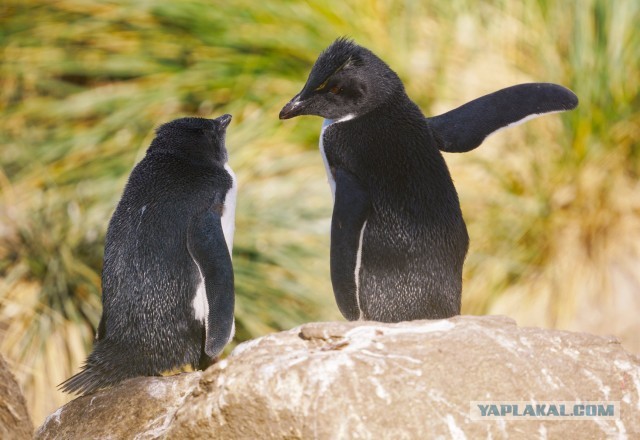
(552, 206)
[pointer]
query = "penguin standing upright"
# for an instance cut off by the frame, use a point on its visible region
(398, 239)
(167, 279)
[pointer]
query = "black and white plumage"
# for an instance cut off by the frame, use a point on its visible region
(398, 239)
(167, 279)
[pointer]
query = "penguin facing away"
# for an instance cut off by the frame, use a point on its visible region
(398, 239)
(167, 279)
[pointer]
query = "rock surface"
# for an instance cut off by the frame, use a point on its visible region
(14, 417)
(141, 408)
(373, 380)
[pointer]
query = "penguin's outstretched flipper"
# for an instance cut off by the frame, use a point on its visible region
(467, 126)
(208, 248)
(348, 223)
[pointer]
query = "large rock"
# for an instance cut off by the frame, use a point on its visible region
(142, 408)
(373, 380)
(14, 417)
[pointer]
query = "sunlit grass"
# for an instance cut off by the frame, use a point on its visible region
(552, 206)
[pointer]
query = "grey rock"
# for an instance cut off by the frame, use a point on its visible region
(15, 422)
(374, 380)
(141, 408)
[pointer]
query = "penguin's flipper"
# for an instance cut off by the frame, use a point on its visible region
(350, 212)
(466, 127)
(208, 248)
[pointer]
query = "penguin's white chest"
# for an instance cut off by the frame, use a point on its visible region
(327, 168)
(229, 213)
(229, 227)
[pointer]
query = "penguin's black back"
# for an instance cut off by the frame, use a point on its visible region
(146, 259)
(415, 239)
(149, 278)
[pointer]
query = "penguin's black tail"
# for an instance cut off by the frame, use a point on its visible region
(101, 370)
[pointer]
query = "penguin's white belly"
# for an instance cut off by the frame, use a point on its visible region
(229, 212)
(330, 179)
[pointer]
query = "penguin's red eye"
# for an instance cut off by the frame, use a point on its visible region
(335, 90)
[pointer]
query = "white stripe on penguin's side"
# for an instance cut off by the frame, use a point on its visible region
(523, 120)
(229, 212)
(357, 270)
(200, 304)
(201, 307)
(233, 330)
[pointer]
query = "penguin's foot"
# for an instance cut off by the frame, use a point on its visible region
(188, 368)
(206, 362)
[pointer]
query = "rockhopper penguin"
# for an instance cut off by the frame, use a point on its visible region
(398, 239)
(167, 279)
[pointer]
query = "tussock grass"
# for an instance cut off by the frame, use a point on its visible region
(552, 206)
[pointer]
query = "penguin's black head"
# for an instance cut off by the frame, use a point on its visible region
(197, 138)
(345, 82)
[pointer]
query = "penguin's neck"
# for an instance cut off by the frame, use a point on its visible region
(204, 159)
(399, 104)
(328, 122)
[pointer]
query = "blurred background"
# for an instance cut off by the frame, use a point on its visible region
(552, 206)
